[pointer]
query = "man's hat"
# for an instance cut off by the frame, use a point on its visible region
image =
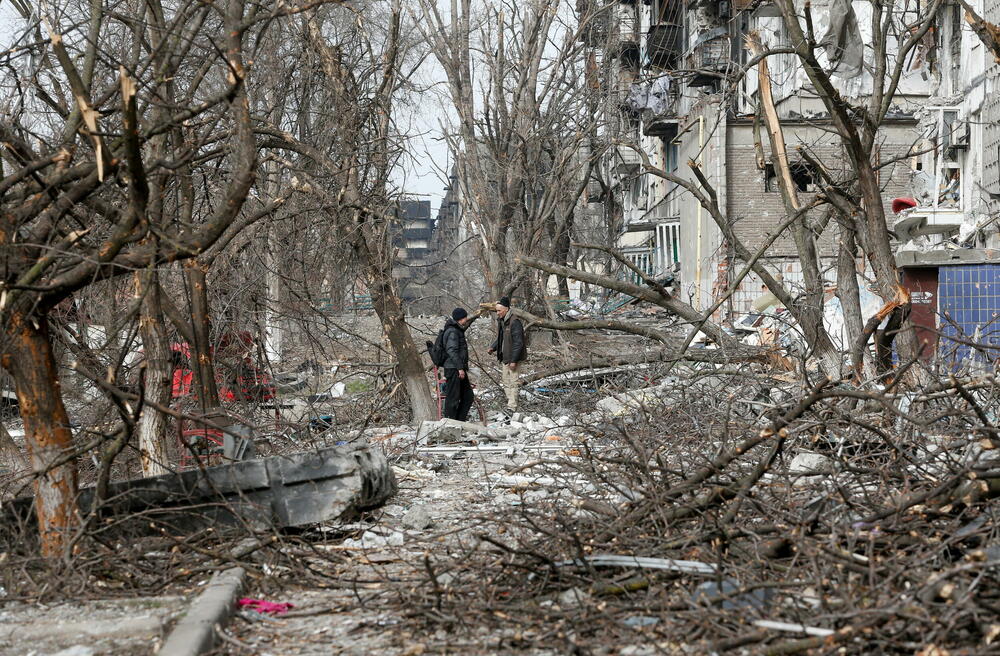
(504, 301)
(459, 313)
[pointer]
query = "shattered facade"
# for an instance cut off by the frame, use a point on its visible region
(671, 69)
(435, 261)
(412, 236)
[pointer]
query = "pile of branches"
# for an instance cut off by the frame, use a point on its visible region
(781, 518)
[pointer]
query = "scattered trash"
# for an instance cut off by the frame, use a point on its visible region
(612, 560)
(266, 607)
(639, 621)
(728, 591)
(321, 423)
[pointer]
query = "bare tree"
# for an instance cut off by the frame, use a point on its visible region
(134, 149)
(348, 152)
(514, 73)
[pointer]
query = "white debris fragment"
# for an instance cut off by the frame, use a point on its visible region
(372, 540)
(573, 598)
(418, 518)
(810, 464)
(452, 430)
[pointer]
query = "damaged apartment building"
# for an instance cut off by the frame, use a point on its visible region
(671, 73)
(433, 259)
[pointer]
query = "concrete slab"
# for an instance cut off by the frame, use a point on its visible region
(195, 632)
(452, 430)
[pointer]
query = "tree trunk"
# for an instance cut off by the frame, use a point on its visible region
(388, 305)
(30, 360)
(201, 350)
(389, 308)
(850, 297)
(152, 427)
(808, 311)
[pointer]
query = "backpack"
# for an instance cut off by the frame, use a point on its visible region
(436, 349)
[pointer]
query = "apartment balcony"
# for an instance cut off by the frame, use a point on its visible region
(928, 221)
(637, 219)
(626, 159)
(710, 58)
(742, 5)
(595, 192)
(595, 21)
(668, 209)
(664, 45)
(625, 38)
(417, 234)
(662, 111)
(641, 220)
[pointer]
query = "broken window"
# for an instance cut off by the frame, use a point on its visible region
(951, 141)
(803, 177)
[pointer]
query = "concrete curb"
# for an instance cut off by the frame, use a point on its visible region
(195, 632)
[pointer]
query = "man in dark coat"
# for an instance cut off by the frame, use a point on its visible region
(510, 349)
(458, 389)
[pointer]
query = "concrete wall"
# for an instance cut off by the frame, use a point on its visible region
(991, 109)
(702, 139)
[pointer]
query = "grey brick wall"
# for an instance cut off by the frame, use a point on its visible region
(757, 212)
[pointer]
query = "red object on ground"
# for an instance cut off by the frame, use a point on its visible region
(261, 606)
(900, 204)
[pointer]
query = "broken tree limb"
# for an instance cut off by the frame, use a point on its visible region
(808, 311)
(987, 32)
(716, 495)
(735, 284)
(615, 253)
(10, 452)
(708, 198)
(779, 153)
(668, 564)
(682, 310)
(673, 352)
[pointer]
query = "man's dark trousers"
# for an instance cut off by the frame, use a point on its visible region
(458, 395)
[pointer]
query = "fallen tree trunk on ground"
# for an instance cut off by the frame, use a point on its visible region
(671, 352)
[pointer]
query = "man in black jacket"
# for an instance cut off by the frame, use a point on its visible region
(458, 389)
(510, 349)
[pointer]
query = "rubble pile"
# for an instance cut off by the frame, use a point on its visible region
(639, 509)
(812, 521)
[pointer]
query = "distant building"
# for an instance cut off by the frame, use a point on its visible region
(412, 235)
(436, 262)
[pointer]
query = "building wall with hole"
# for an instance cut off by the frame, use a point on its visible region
(755, 204)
